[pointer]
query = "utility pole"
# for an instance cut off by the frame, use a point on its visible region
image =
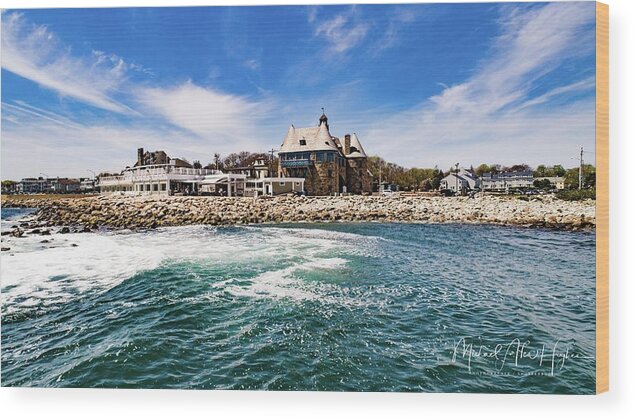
(581, 169)
(271, 161)
(457, 164)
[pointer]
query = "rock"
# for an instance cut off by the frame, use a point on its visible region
(65, 229)
(6, 248)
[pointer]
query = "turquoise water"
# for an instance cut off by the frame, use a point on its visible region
(337, 307)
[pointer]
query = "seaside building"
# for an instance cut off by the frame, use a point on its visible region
(155, 173)
(461, 182)
(506, 181)
(87, 184)
(47, 185)
(258, 170)
(328, 164)
(64, 185)
(33, 185)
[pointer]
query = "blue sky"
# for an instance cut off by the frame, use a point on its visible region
(421, 85)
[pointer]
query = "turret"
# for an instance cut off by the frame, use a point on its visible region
(323, 119)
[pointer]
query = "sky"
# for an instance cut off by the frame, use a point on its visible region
(421, 84)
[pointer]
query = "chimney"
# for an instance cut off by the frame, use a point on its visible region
(346, 145)
(139, 156)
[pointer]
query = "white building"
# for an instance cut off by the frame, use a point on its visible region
(156, 174)
(460, 183)
(154, 179)
(505, 181)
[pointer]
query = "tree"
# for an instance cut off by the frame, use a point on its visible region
(589, 177)
(523, 167)
(438, 175)
(543, 184)
(197, 164)
(559, 170)
(495, 168)
(540, 171)
(482, 169)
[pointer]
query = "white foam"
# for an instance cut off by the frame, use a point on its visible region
(283, 283)
(35, 274)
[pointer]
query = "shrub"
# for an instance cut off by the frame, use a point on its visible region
(576, 195)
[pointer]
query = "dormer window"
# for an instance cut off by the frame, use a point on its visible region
(302, 142)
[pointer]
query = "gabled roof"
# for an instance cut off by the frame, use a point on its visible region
(356, 150)
(316, 138)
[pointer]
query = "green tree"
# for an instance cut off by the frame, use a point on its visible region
(542, 184)
(482, 169)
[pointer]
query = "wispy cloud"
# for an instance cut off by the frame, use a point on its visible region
(399, 18)
(33, 52)
(342, 32)
(492, 115)
(218, 117)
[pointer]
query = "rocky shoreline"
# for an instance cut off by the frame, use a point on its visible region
(117, 212)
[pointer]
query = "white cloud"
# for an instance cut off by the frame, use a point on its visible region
(396, 21)
(34, 144)
(33, 52)
(490, 116)
(342, 32)
(219, 118)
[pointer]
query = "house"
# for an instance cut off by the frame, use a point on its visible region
(33, 186)
(155, 173)
(64, 185)
(460, 182)
(506, 181)
(87, 184)
(328, 164)
(9, 187)
(258, 170)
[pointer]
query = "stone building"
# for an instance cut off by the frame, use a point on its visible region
(329, 164)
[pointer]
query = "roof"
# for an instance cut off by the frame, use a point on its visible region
(356, 144)
(317, 138)
(459, 176)
(504, 175)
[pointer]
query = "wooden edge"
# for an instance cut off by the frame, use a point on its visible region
(602, 202)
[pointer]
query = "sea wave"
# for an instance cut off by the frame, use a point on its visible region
(36, 275)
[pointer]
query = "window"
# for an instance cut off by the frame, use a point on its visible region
(302, 142)
(163, 187)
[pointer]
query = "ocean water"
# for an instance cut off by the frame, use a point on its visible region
(333, 307)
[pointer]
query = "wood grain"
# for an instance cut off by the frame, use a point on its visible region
(602, 211)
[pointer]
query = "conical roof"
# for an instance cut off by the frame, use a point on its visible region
(356, 150)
